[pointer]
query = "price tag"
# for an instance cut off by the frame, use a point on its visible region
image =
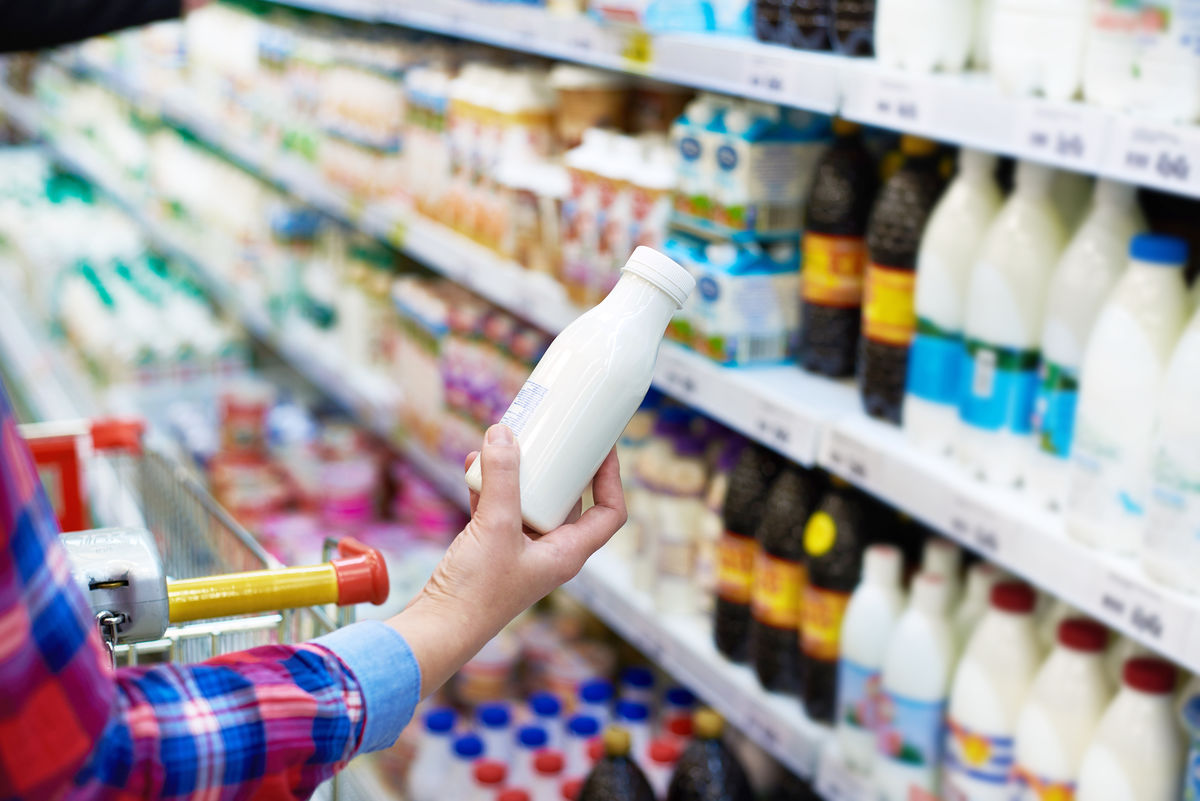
(835, 782)
(767, 75)
(582, 37)
(675, 377)
(762, 728)
(896, 102)
(1067, 135)
(637, 49)
(854, 460)
(782, 429)
(980, 528)
(1160, 155)
(1140, 611)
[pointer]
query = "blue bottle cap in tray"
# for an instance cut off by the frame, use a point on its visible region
(469, 746)
(680, 696)
(493, 716)
(1169, 251)
(545, 704)
(633, 711)
(532, 737)
(583, 726)
(596, 691)
(640, 677)
(440, 720)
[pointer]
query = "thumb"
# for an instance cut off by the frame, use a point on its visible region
(500, 494)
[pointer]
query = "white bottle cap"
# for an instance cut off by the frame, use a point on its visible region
(663, 272)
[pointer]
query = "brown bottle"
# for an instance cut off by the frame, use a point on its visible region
(852, 27)
(810, 24)
(779, 581)
(708, 770)
(737, 551)
(616, 777)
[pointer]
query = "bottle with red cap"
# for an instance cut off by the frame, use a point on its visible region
(660, 764)
(1060, 712)
(1137, 751)
(547, 775)
(989, 685)
(513, 794)
(489, 779)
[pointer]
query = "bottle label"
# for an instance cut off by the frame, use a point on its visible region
(910, 732)
(1174, 506)
(820, 533)
(735, 567)
(860, 691)
(1191, 781)
(821, 622)
(974, 758)
(934, 362)
(888, 313)
(778, 584)
(999, 386)
(1102, 479)
(676, 559)
(1054, 411)
(833, 270)
(1028, 787)
(523, 407)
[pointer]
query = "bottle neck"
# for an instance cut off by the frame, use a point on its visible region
(635, 296)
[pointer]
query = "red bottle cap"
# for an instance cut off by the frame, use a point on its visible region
(665, 752)
(1150, 675)
(595, 749)
(1013, 596)
(513, 794)
(571, 789)
(548, 762)
(680, 726)
(1081, 634)
(490, 771)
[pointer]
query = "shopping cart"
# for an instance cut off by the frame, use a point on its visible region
(172, 576)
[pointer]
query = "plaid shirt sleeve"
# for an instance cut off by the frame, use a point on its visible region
(272, 722)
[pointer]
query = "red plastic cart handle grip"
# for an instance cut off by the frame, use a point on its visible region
(362, 574)
(116, 433)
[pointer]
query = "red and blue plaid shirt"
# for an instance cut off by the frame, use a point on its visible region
(269, 723)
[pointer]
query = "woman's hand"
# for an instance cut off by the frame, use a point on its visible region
(494, 569)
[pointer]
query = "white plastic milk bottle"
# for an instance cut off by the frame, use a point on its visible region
(981, 36)
(1168, 61)
(949, 247)
(993, 676)
(1137, 751)
(1111, 54)
(583, 392)
(1086, 273)
(924, 35)
(940, 557)
(916, 677)
(1060, 713)
(1171, 553)
(1006, 298)
(1120, 388)
(981, 577)
(1037, 46)
(870, 618)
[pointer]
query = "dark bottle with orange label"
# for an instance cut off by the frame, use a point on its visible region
(835, 253)
(708, 770)
(834, 538)
(737, 551)
(889, 319)
(779, 580)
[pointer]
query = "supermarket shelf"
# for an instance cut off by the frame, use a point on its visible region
(963, 109)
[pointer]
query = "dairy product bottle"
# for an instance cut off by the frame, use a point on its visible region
(916, 675)
(583, 392)
(1086, 273)
(1137, 751)
(1051, 618)
(949, 247)
(1060, 713)
(924, 35)
(1171, 553)
(870, 618)
(981, 577)
(989, 685)
(1120, 650)
(1111, 53)
(1005, 305)
(429, 767)
(1038, 45)
(1121, 381)
(1168, 61)
(943, 558)
(1072, 196)
(851, 27)
(981, 36)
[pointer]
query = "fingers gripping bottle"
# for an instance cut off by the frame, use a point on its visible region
(583, 392)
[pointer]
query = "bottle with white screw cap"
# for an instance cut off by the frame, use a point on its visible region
(583, 392)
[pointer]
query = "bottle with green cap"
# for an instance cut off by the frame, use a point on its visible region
(708, 770)
(616, 777)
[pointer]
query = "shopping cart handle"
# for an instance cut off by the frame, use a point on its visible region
(118, 433)
(362, 574)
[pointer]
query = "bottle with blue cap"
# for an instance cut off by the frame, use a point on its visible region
(495, 727)
(678, 703)
(637, 684)
(460, 779)
(581, 730)
(634, 717)
(547, 713)
(595, 700)
(428, 772)
(530, 740)
(1121, 384)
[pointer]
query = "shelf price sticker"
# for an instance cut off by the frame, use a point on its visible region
(836, 782)
(1163, 155)
(895, 101)
(762, 728)
(783, 430)
(1143, 612)
(675, 376)
(636, 49)
(854, 461)
(767, 76)
(981, 528)
(1071, 135)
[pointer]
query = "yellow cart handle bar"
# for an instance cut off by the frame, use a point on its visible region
(356, 576)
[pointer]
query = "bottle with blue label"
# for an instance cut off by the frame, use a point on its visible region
(1006, 297)
(1087, 271)
(910, 732)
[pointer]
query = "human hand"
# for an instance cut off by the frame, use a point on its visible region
(495, 569)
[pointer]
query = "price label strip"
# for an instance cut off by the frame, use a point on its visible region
(675, 376)
(1141, 611)
(835, 781)
(784, 430)
(855, 461)
(895, 101)
(767, 76)
(637, 50)
(1162, 155)
(982, 528)
(1073, 136)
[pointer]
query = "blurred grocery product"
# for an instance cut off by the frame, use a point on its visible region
(924, 35)
(1038, 49)
(616, 777)
(708, 769)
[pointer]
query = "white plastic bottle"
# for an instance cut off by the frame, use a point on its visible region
(1060, 713)
(428, 771)
(1121, 382)
(596, 699)
(874, 607)
(924, 35)
(1111, 55)
(459, 779)
(916, 678)
(1037, 46)
(981, 577)
(941, 557)
(547, 713)
(1137, 751)
(585, 389)
(981, 42)
(1120, 650)
(1168, 61)
(1006, 298)
(993, 676)
(495, 727)
(1171, 552)
(1086, 273)
(1051, 618)
(581, 730)
(949, 247)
